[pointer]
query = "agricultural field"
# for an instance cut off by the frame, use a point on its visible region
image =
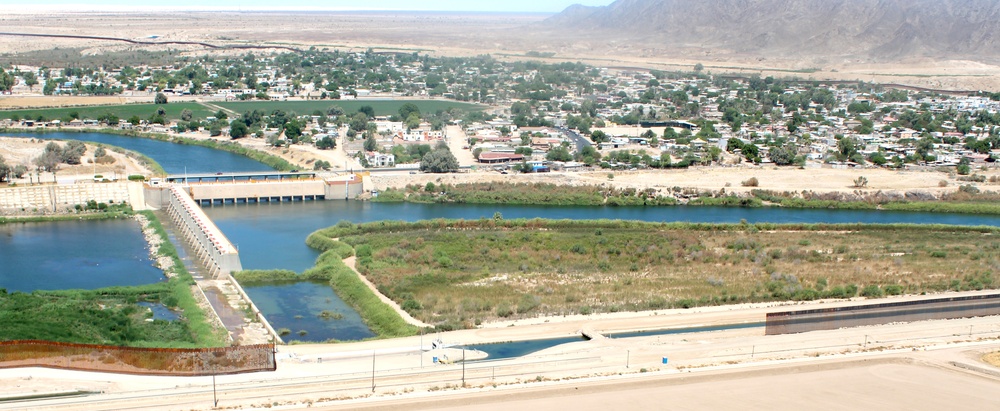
(382, 107)
(459, 273)
(124, 112)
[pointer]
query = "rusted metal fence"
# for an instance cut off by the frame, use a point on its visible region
(132, 360)
(789, 322)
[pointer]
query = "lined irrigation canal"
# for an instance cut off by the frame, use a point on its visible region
(106, 253)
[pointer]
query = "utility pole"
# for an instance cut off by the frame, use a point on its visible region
(463, 366)
(373, 370)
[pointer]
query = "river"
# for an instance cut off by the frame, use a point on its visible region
(273, 235)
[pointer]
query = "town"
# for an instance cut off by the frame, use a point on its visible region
(529, 115)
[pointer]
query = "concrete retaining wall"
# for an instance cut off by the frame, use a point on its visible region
(53, 197)
(790, 322)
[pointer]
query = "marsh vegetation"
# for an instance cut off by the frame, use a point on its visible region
(458, 273)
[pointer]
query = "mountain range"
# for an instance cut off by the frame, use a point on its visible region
(877, 30)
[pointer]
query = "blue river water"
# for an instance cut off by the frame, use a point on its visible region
(273, 236)
(174, 158)
(74, 255)
(257, 228)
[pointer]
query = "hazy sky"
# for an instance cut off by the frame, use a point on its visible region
(426, 5)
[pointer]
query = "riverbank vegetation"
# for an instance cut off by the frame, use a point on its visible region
(964, 200)
(524, 194)
(383, 320)
(458, 273)
(112, 315)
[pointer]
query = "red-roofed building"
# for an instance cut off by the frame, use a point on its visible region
(493, 158)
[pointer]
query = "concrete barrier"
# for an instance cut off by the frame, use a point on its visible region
(210, 246)
(790, 322)
(52, 197)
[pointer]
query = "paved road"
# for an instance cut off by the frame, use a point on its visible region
(579, 140)
(316, 374)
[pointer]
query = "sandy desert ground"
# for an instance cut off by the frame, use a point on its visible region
(922, 365)
(24, 150)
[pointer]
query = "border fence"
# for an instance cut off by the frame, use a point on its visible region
(790, 322)
(134, 360)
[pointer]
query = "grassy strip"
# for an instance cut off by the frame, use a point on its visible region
(201, 329)
(379, 316)
(265, 276)
(553, 194)
(967, 204)
(122, 111)
(381, 107)
(524, 194)
(109, 315)
(344, 229)
(67, 217)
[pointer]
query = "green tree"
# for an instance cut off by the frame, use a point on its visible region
(238, 129)
(160, 98)
(847, 147)
(368, 111)
(559, 154)
(408, 109)
(186, 115)
(751, 152)
(441, 160)
(5, 170)
(72, 152)
(370, 143)
(599, 137)
(326, 143)
(783, 156)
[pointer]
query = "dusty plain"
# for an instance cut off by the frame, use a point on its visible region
(504, 36)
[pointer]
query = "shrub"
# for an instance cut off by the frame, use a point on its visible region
(528, 302)
(751, 182)
(136, 177)
(893, 289)
(939, 254)
(871, 291)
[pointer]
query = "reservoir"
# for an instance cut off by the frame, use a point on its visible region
(74, 254)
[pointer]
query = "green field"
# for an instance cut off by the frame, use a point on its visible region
(111, 315)
(382, 107)
(124, 112)
(455, 273)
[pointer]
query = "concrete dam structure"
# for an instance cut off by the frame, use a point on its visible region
(267, 187)
(209, 244)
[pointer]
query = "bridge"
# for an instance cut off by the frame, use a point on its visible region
(233, 177)
(264, 187)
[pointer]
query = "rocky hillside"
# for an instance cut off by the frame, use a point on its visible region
(873, 29)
